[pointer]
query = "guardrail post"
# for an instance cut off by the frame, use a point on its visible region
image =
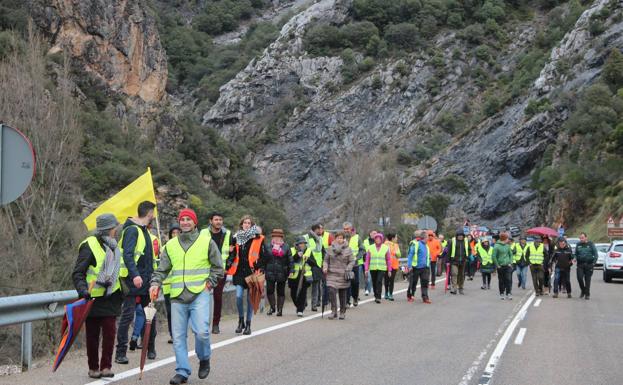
(26, 346)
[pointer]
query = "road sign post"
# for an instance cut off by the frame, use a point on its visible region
(17, 164)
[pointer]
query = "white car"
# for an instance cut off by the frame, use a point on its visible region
(602, 249)
(573, 242)
(613, 263)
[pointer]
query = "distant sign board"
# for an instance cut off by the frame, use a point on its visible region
(615, 231)
(427, 223)
(17, 164)
(410, 218)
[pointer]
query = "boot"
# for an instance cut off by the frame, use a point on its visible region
(271, 301)
(216, 329)
(280, 301)
(178, 379)
(240, 325)
(247, 330)
(204, 368)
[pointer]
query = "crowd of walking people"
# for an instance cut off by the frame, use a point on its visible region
(124, 267)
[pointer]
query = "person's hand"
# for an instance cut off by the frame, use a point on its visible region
(84, 294)
(153, 292)
(208, 286)
(138, 281)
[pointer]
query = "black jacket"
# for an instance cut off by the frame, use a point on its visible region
(244, 269)
(563, 258)
(144, 267)
(277, 268)
(102, 306)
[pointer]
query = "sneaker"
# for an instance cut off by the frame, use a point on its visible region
(502, 297)
(299, 314)
(386, 296)
(314, 308)
(123, 360)
(355, 303)
(215, 330)
(555, 295)
(377, 300)
(581, 295)
(509, 297)
(391, 297)
(107, 373)
(410, 299)
(367, 293)
(342, 316)
(151, 355)
(569, 295)
(461, 291)
(95, 374)
(587, 297)
(453, 291)
(488, 287)
(483, 287)
(426, 300)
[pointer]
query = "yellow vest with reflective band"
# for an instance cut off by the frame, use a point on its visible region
(536, 254)
(353, 243)
(311, 245)
(296, 268)
(93, 271)
(485, 255)
(191, 268)
(525, 249)
(444, 244)
(378, 257)
(325, 240)
(139, 249)
(226, 243)
(453, 251)
(517, 252)
(416, 248)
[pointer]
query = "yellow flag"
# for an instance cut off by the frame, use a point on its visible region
(124, 204)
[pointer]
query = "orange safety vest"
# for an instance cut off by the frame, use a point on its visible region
(393, 247)
(434, 246)
(254, 255)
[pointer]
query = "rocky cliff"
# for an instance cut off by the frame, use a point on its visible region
(392, 109)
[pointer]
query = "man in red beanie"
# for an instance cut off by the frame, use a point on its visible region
(193, 263)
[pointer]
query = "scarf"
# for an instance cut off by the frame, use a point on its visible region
(109, 272)
(277, 248)
(243, 236)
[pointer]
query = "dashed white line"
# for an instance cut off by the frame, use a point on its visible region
(537, 303)
(170, 360)
(499, 349)
(520, 336)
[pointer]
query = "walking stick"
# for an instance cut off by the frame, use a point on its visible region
(447, 275)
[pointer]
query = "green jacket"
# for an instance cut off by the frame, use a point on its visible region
(502, 254)
(586, 252)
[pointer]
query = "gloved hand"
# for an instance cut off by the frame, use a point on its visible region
(84, 294)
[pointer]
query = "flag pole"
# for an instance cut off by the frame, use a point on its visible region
(156, 199)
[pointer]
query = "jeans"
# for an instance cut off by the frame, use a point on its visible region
(354, 284)
(167, 305)
(319, 289)
(217, 296)
(198, 314)
(369, 283)
(562, 279)
(584, 274)
(127, 315)
(505, 279)
(419, 274)
(107, 327)
(139, 322)
(522, 272)
(239, 292)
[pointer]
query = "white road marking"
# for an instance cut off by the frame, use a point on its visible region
(499, 349)
(520, 336)
(170, 360)
(537, 302)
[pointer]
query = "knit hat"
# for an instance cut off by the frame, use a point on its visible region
(300, 240)
(277, 233)
(173, 227)
(106, 222)
(190, 213)
(379, 235)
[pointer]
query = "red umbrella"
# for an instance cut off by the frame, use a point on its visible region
(543, 232)
(150, 313)
(255, 282)
(75, 315)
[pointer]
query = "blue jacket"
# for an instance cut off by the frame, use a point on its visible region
(421, 255)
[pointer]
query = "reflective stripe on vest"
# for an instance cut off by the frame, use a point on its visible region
(191, 268)
(139, 249)
(296, 266)
(226, 241)
(536, 254)
(93, 271)
(378, 257)
(517, 252)
(254, 255)
(485, 255)
(311, 245)
(416, 248)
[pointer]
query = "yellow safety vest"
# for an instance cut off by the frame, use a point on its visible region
(453, 251)
(226, 243)
(191, 268)
(139, 249)
(416, 248)
(378, 257)
(517, 252)
(536, 254)
(93, 271)
(311, 245)
(485, 255)
(325, 240)
(297, 266)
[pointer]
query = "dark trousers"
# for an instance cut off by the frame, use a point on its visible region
(167, 306)
(486, 279)
(537, 277)
(389, 282)
(433, 269)
(299, 300)
(107, 327)
(471, 268)
(377, 282)
(505, 279)
(343, 295)
(354, 283)
(419, 275)
(562, 279)
(271, 285)
(127, 315)
(218, 302)
(584, 273)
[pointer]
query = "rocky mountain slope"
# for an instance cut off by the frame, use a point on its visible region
(479, 138)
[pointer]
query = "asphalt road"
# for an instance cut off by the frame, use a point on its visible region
(456, 340)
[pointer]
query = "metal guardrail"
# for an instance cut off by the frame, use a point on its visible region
(25, 309)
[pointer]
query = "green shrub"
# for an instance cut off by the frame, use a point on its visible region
(473, 34)
(377, 83)
(402, 35)
(435, 205)
(366, 64)
(403, 69)
(482, 53)
(357, 34)
(537, 106)
(613, 70)
(454, 184)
